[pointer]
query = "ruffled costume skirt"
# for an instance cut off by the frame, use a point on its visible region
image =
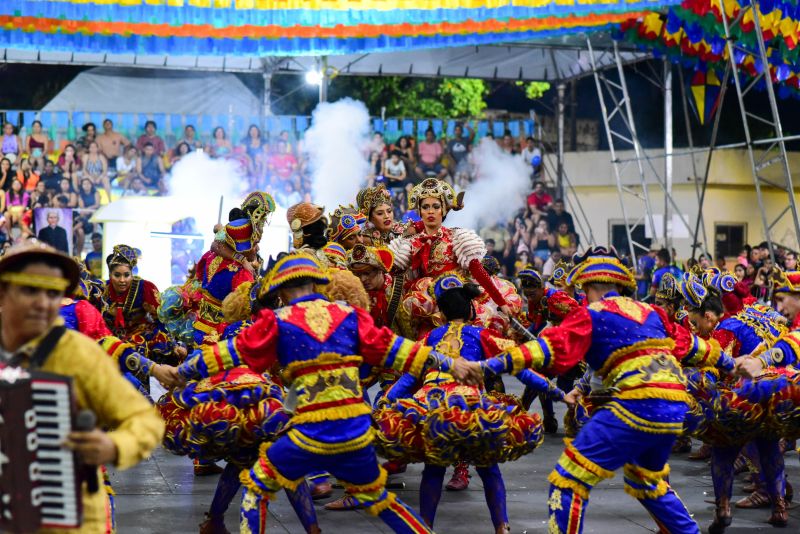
(765, 407)
(443, 424)
(225, 416)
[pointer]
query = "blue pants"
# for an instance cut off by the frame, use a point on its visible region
(285, 464)
(602, 446)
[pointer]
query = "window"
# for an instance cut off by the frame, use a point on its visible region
(619, 238)
(729, 238)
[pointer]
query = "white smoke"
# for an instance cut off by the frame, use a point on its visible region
(337, 147)
(498, 190)
(200, 181)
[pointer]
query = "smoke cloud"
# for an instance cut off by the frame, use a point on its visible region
(499, 189)
(337, 145)
(198, 181)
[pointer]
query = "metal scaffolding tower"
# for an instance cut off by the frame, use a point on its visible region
(633, 186)
(762, 153)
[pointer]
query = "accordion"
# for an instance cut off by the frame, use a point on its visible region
(40, 485)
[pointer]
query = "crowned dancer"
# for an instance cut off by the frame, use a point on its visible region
(437, 250)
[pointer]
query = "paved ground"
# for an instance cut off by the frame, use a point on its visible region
(162, 496)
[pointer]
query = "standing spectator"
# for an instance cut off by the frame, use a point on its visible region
(430, 157)
(539, 201)
(151, 137)
(53, 234)
(26, 175)
(458, 147)
(394, 170)
(70, 163)
(95, 167)
(17, 201)
(720, 263)
(190, 138)
(644, 271)
(94, 258)
(663, 266)
(566, 241)
(11, 145)
(50, 176)
(6, 174)
(89, 136)
(543, 240)
(127, 165)
(38, 144)
(557, 214)
(790, 261)
(282, 163)
(66, 191)
(150, 168)
(111, 143)
(220, 146)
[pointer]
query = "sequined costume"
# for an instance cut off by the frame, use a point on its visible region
(132, 316)
(486, 307)
(728, 415)
(368, 199)
(423, 257)
(320, 345)
(637, 354)
(440, 422)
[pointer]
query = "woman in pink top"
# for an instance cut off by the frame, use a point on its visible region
(17, 201)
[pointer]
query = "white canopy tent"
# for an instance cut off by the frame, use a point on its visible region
(131, 90)
(551, 60)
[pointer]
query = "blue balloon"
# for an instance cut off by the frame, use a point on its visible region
(536, 159)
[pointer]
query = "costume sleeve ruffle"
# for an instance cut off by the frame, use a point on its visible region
(401, 248)
(254, 347)
(692, 350)
(380, 347)
(467, 246)
(558, 349)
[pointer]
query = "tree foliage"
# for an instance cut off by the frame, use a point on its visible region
(534, 90)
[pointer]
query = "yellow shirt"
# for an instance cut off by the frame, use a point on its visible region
(99, 386)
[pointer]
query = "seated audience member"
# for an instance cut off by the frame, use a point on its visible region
(220, 146)
(65, 190)
(7, 174)
(127, 165)
(150, 168)
(27, 175)
(394, 170)
(458, 148)
(282, 163)
(50, 176)
(17, 202)
(136, 187)
(539, 201)
(190, 138)
(70, 163)
(288, 196)
(543, 240)
(95, 167)
(94, 258)
(566, 240)
(39, 196)
(180, 151)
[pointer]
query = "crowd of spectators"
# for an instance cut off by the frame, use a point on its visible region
(85, 172)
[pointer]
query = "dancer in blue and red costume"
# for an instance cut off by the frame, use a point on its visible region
(636, 352)
(751, 331)
(320, 345)
(546, 305)
(440, 422)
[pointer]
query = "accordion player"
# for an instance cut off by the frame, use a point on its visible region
(40, 486)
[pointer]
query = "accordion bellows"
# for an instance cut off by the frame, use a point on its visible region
(225, 416)
(447, 423)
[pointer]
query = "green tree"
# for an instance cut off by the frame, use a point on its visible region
(534, 90)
